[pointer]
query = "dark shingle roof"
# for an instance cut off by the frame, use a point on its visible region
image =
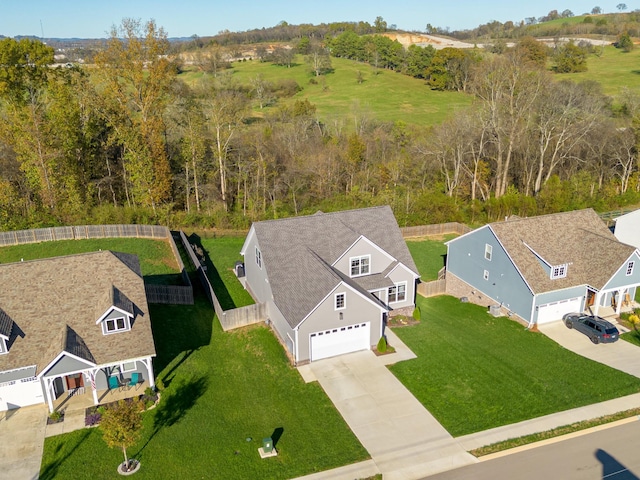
(53, 302)
(579, 239)
(297, 253)
(6, 324)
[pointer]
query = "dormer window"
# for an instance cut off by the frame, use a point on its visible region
(360, 265)
(117, 323)
(3, 345)
(559, 271)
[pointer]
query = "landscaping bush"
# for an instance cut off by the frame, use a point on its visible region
(382, 345)
(416, 313)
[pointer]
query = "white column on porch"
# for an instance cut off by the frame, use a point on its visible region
(619, 296)
(597, 302)
(49, 393)
(148, 364)
(92, 381)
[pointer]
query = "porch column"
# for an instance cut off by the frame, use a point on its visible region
(597, 302)
(48, 393)
(620, 299)
(94, 390)
(149, 365)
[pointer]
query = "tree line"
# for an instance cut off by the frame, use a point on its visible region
(128, 141)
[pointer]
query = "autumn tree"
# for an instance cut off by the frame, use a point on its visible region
(135, 78)
(319, 60)
(121, 426)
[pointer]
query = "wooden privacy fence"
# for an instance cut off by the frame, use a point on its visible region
(431, 289)
(435, 229)
(167, 294)
(229, 319)
(83, 232)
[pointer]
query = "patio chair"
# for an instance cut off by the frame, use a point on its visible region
(134, 380)
(114, 383)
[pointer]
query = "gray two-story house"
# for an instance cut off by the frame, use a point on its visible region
(329, 280)
(540, 268)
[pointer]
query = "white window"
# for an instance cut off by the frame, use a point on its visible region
(128, 367)
(398, 293)
(486, 275)
(360, 265)
(488, 250)
(258, 258)
(341, 301)
(3, 346)
(114, 325)
(559, 271)
(630, 268)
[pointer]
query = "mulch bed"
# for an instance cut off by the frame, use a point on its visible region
(401, 321)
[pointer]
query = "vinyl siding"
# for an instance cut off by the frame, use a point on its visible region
(466, 260)
(325, 317)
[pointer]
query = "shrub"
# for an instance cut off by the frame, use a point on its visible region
(416, 313)
(634, 320)
(382, 345)
(55, 416)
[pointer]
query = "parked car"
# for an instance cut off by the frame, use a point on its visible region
(596, 328)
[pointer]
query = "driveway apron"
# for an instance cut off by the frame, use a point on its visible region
(402, 437)
(21, 442)
(620, 355)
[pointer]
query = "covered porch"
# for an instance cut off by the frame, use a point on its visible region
(82, 398)
(96, 384)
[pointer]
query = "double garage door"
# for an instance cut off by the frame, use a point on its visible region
(20, 393)
(338, 341)
(554, 311)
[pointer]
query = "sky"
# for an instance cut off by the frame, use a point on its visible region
(184, 18)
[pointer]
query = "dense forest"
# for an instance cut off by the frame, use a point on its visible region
(127, 140)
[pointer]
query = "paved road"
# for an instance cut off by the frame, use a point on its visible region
(608, 454)
(620, 355)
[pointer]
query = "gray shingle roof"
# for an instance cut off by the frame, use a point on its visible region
(579, 239)
(53, 303)
(297, 253)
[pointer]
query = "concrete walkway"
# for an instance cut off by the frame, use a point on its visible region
(620, 355)
(404, 440)
(21, 442)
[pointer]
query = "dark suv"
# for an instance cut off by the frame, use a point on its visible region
(596, 328)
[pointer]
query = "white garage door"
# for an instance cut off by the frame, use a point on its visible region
(20, 393)
(337, 341)
(554, 311)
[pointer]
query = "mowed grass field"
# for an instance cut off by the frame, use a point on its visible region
(386, 96)
(615, 70)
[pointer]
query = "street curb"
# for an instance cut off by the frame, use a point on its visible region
(560, 438)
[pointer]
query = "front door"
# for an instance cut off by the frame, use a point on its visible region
(75, 381)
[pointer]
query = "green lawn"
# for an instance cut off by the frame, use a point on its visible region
(222, 254)
(224, 393)
(476, 372)
(429, 255)
(157, 263)
(614, 70)
(387, 96)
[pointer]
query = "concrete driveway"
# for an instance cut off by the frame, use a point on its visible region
(402, 437)
(620, 355)
(21, 442)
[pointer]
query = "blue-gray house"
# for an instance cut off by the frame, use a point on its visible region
(540, 268)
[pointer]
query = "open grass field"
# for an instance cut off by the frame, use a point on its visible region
(224, 393)
(429, 255)
(614, 70)
(387, 96)
(156, 260)
(476, 372)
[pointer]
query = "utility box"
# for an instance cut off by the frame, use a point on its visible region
(267, 445)
(239, 269)
(495, 310)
